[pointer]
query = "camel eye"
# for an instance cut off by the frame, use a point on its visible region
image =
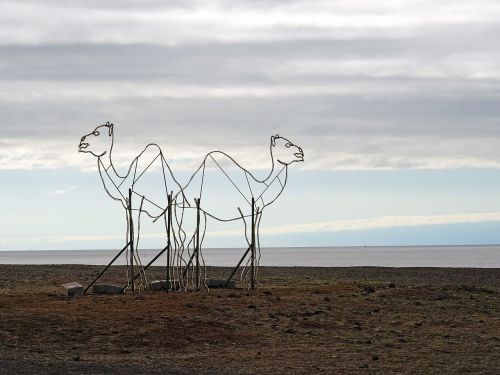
(96, 133)
(288, 145)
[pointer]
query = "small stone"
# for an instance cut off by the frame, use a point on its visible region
(72, 289)
(165, 285)
(218, 283)
(106, 289)
(369, 289)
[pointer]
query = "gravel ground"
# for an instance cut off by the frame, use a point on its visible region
(359, 320)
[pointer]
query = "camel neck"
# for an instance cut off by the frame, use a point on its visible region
(274, 184)
(105, 162)
(278, 171)
(110, 179)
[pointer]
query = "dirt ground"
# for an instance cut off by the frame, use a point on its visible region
(361, 320)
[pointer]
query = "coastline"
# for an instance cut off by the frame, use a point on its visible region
(302, 320)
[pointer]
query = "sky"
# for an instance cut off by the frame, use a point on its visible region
(395, 104)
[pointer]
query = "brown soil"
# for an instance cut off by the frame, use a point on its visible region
(362, 320)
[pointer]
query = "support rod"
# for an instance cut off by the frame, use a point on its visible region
(188, 265)
(197, 243)
(149, 264)
(169, 227)
(106, 268)
(252, 276)
(131, 241)
(238, 266)
(166, 248)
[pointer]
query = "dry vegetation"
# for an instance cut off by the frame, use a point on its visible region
(301, 321)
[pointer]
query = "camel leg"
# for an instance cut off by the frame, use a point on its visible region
(248, 237)
(257, 246)
(191, 243)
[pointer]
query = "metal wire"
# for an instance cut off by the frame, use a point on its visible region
(282, 152)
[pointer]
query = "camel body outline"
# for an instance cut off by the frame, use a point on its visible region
(280, 161)
(100, 143)
(282, 151)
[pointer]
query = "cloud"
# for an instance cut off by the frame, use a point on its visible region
(62, 191)
(319, 227)
(359, 85)
(373, 223)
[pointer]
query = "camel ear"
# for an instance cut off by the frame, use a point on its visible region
(110, 126)
(273, 141)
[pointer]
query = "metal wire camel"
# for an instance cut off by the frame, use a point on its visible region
(244, 199)
(244, 196)
(136, 190)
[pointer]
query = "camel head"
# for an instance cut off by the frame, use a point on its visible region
(99, 141)
(285, 151)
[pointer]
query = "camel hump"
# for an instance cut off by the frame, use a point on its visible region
(152, 179)
(151, 149)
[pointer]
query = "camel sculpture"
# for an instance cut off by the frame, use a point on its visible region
(227, 194)
(145, 199)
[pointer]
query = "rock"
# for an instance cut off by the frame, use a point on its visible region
(72, 289)
(165, 285)
(217, 283)
(369, 289)
(107, 289)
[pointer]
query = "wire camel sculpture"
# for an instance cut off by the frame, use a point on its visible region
(185, 214)
(136, 183)
(244, 196)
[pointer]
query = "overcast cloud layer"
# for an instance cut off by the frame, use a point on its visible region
(358, 84)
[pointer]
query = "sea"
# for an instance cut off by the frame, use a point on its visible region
(485, 256)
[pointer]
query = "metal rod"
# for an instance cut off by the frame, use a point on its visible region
(237, 266)
(131, 225)
(252, 276)
(169, 225)
(197, 243)
(106, 268)
(188, 265)
(149, 264)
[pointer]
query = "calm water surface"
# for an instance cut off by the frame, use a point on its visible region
(404, 256)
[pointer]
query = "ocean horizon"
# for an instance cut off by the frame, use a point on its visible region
(476, 256)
